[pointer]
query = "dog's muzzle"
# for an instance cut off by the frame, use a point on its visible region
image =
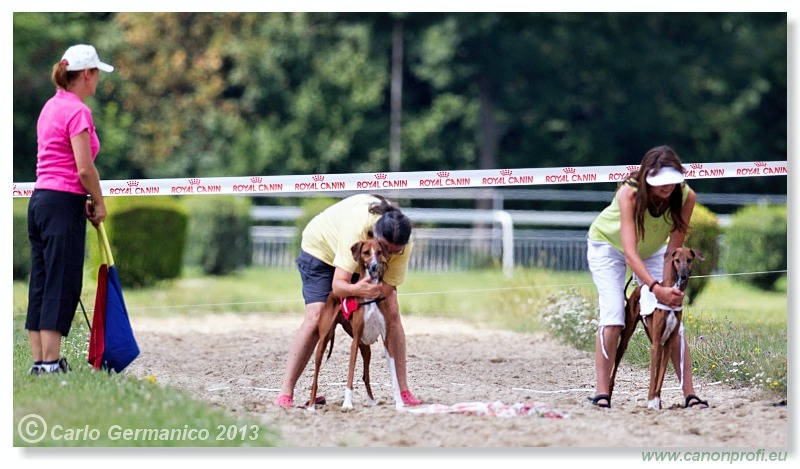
(375, 269)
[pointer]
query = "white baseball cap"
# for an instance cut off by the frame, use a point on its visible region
(664, 176)
(83, 56)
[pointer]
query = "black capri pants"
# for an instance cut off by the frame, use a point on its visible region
(57, 233)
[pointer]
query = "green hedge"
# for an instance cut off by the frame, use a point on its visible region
(147, 237)
(756, 241)
(21, 261)
(704, 232)
(219, 233)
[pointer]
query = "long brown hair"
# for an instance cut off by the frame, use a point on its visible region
(655, 159)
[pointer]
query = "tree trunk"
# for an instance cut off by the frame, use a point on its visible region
(397, 96)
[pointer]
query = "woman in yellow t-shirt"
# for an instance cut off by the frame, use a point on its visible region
(650, 213)
(326, 265)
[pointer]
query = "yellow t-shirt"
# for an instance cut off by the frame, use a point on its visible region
(330, 235)
(607, 227)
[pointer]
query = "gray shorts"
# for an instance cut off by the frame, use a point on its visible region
(316, 276)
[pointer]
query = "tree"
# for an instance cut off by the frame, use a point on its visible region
(222, 94)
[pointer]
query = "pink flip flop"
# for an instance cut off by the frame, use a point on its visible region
(283, 401)
(286, 401)
(409, 399)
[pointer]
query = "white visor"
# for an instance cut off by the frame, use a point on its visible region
(666, 175)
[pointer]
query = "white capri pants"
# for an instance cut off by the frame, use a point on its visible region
(608, 268)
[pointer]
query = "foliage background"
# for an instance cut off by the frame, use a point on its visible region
(232, 94)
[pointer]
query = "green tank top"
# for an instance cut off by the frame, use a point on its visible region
(606, 227)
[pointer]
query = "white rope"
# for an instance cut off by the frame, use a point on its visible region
(442, 292)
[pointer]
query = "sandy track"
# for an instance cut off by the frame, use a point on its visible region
(236, 362)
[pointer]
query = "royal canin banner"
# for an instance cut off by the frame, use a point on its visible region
(410, 180)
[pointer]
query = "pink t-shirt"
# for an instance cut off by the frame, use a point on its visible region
(63, 117)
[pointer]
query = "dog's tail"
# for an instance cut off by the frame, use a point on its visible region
(332, 333)
(628, 283)
(332, 336)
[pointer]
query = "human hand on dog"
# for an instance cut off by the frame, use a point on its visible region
(671, 297)
(365, 289)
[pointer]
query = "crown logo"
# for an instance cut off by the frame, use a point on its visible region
(194, 181)
(256, 179)
(443, 174)
(760, 163)
(632, 167)
(318, 177)
(380, 175)
(506, 172)
(696, 165)
(569, 170)
(133, 183)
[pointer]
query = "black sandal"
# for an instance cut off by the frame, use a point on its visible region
(601, 397)
(692, 400)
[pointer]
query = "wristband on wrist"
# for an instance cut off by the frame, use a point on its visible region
(652, 285)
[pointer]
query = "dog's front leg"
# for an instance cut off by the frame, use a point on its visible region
(672, 323)
(658, 359)
(388, 335)
(398, 400)
(351, 369)
(366, 354)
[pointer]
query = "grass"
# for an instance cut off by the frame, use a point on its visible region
(85, 408)
(737, 335)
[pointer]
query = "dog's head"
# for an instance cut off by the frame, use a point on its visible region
(679, 261)
(371, 258)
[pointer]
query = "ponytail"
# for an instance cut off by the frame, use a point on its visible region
(61, 77)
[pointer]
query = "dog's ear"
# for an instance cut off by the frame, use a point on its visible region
(670, 254)
(697, 254)
(356, 250)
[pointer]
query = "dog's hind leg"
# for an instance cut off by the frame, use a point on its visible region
(320, 352)
(326, 329)
(631, 320)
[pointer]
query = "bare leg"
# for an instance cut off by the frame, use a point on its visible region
(301, 348)
(687, 383)
(603, 365)
(51, 345)
(35, 339)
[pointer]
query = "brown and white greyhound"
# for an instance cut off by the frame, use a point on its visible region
(661, 323)
(368, 321)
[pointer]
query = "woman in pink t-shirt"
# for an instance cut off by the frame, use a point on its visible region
(58, 208)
